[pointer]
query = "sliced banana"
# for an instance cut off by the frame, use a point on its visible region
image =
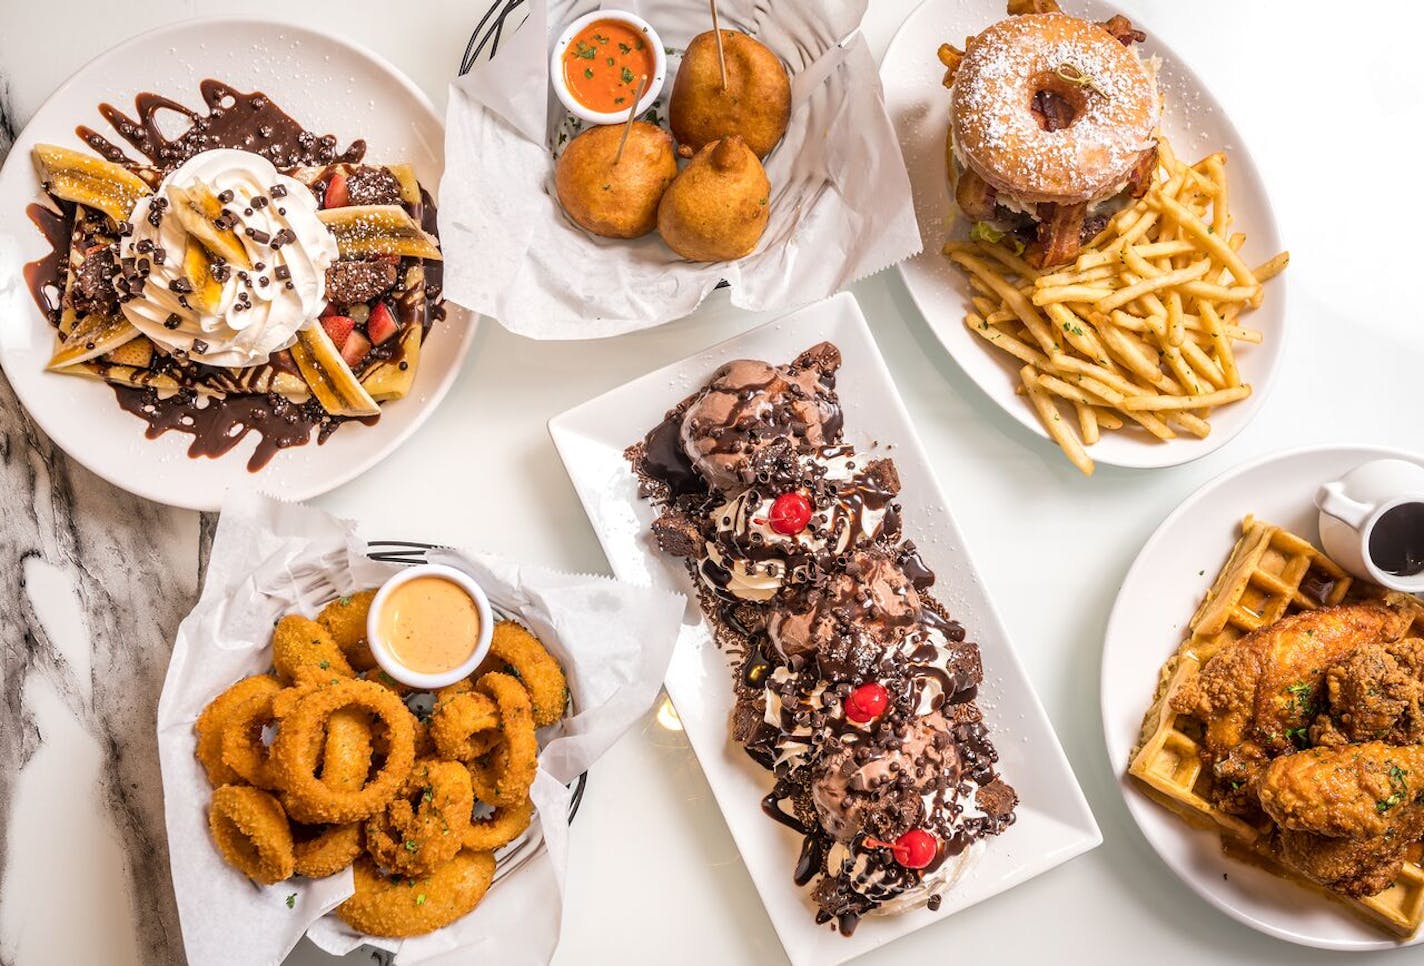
(91, 337)
(198, 210)
(331, 380)
(386, 380)
(198, 269)
(363, 230)
(89, 181)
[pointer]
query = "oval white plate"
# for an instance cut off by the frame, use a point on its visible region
(1195, 124)
(1162, 590)
(328, 85)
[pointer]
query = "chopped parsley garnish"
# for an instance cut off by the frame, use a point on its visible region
(627, 76)
(585, 51)
(588, 73)
(624, 48)
(420, 899)
(1303, 692)
(1399, 789)
(411, 845)
(292, 900)
(344, 600)
(1299, 737)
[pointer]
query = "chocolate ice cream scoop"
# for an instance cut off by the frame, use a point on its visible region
(748, 405)
(882, 786)
(846, 622)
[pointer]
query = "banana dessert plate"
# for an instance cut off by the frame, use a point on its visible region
(241, 281)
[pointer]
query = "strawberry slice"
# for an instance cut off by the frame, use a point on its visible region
(382, 324)
(336, 194)
(355, 349)
(338, 328)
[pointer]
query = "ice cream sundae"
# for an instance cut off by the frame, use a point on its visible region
(855, 687)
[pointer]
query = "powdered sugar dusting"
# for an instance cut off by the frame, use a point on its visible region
(997, 133)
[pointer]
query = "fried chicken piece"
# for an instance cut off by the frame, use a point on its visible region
(1353, 791)
(1258, 695)
(1347, 814)
(1351, 867)
(1377, 693)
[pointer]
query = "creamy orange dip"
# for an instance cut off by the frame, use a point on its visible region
(430, 624)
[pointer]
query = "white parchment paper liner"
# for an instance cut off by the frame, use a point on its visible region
(840, 204)
(271, 558)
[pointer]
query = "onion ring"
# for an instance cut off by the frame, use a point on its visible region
(345, 620)
(503, 776)
(209, 726)
(464, 726)
(252, 833)
(500, 828)
(323, 850)
(425, 824)
(243, 750)
(299, 643)
(346, 753)
(311, 800)
(398, 906)
(536, 667)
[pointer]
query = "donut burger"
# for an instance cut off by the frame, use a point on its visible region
(1053, 123)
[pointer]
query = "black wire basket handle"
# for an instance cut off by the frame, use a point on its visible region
(484, 42)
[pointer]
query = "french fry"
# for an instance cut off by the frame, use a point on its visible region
(1052, 419)
(1141, 329)
(1137, 404)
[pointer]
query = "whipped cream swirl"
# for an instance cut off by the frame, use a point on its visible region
(260, 309)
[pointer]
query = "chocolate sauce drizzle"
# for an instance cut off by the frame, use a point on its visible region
(930, 740)
(248, 122)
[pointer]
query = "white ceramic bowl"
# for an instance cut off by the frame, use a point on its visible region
(416, 679)
(561, 87)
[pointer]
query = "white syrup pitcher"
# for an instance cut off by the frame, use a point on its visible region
(1372, 523)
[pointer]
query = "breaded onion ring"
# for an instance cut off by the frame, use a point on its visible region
(425, 824)
(299, 643)
(536, 667)
(346, 753)
(209, 726)
(323, 850)
(464, 726)
(252, 833)
(503, 776)
(243, 750)
(398, 906)
(295, 755)
(503, 826)
(345, 620)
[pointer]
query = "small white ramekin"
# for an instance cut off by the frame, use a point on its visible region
(561, 87)
(389, 662)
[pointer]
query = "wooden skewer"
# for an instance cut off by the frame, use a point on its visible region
(717, 32)
(632, 113)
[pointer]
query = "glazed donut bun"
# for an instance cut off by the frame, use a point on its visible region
(1051, 108)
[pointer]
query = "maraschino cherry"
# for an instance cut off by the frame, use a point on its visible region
(866, 703)
(790, 514)
(914, 850)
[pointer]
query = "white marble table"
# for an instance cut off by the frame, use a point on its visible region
(95, 581)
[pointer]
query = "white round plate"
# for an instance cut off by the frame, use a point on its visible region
(1196, 125)
(1159, 595)
(328, 85)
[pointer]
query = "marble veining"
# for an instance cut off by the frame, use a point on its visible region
(95, 582)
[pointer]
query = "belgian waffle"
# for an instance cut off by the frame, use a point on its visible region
(1270, 574)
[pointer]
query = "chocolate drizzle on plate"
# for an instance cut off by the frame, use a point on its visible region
(247, 121)
(854, 686)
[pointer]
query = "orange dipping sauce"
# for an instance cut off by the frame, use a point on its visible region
(430, 624)
(603, 62)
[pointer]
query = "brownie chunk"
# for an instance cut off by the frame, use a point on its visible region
(356, 282)
(94, 284)
(996, 799)
(678, 534)
(369, 185)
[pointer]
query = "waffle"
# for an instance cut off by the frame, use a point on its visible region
(1270, 574)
